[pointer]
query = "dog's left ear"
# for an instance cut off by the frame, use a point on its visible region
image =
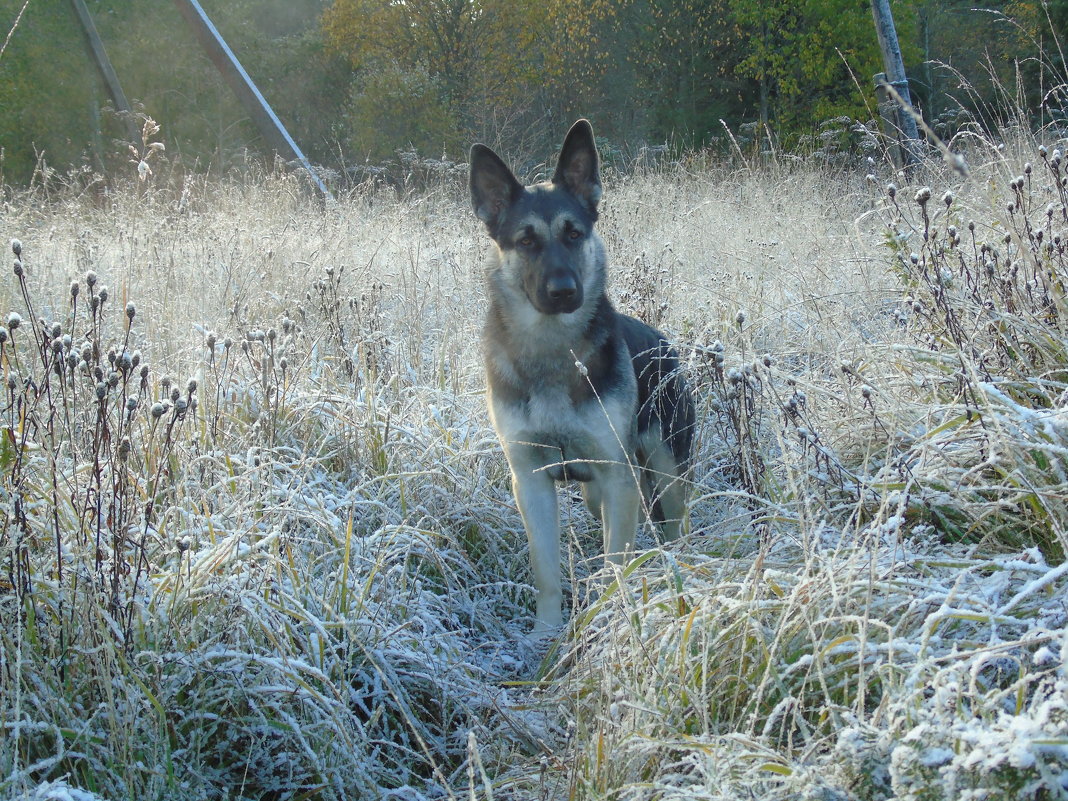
(579, 168)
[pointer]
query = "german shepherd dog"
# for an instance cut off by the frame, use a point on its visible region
(577, 391)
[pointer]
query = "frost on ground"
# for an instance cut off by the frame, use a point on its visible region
(258, 539)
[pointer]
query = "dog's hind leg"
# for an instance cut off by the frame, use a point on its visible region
(665, 492)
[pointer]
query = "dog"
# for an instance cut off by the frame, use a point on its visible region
(576, 390)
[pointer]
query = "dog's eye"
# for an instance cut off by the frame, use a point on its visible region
(574, 234)
(526, 242)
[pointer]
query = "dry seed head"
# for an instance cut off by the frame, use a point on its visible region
(191, 386)
(14, 320)
(923, 195)
(18, 267)
(103, 294)
(210, 340)
(1027, 168)
(131, 404)
(180, 405)
(16, 248)
(739, 318)
(75, 288)
(113, 379)
(101, 390)
(891, 190)
(90, 279)
(947, 198)
(124, 449)
(176, 394)
(3, 335)
(1042, 151)
(131, 310)
(144, 371)
(158, 410)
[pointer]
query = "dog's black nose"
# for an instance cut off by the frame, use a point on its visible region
(561, 287)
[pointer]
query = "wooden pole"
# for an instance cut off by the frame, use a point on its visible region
(890, 119)
(270, 127)
(895, 74)
(103, 64)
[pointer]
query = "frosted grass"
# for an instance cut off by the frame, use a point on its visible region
(331, 595)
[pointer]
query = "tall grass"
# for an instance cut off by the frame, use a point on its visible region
(258, 539)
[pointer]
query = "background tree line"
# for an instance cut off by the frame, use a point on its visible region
(357, 80)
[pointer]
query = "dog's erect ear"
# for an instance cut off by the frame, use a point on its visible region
(579, 168)
(493, 187)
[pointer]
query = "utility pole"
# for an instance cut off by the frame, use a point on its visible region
(895, 75)
(103, 64)
(243, 86)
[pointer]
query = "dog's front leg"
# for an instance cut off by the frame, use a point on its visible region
(535, 493)
(620, 503)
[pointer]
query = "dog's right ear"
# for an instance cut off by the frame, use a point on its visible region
(493, 187)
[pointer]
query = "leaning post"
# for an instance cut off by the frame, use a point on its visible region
(895, 77)
(243, 86)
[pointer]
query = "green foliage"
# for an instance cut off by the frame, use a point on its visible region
(391, 107)
(40, 115)
(357, 79)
